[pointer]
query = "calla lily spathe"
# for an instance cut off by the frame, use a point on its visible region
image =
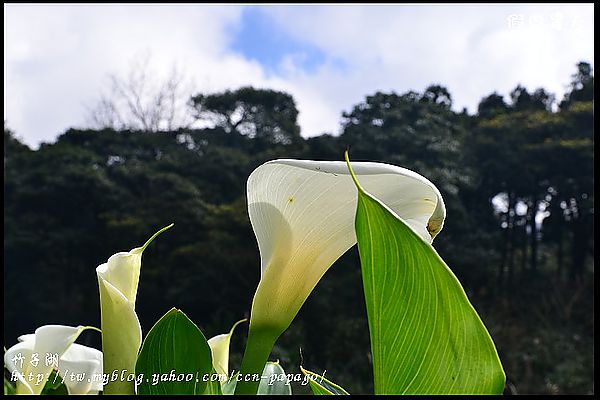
(121, 331)
(219, 347)
(302, 213)
(47, 341)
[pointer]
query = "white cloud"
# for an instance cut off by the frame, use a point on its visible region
(469, 49)
(56, 58)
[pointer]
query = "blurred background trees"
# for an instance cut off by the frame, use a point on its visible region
(268, 116)
(517, 178)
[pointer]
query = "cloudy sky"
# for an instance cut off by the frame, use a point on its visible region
(57, 58)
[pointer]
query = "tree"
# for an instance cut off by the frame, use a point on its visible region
(523, 100)
(12, 145)
(264, 114)
(415, 131)
(537, 159)
(581, 87)
(492, 104)
(143, 101)
(437, 94)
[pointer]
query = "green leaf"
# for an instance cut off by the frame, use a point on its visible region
(174, 347)
(54, 385)
(320, 385)
(229, 386)
(213, 386)
(426, 337)
(8, 387)
(274, 381)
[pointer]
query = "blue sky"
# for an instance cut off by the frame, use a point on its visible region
(258, 38)
(58, 58)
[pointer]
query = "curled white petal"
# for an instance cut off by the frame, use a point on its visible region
(118, 281)
(86, 363)
(302, 213)
(51, 341)
(219, 347)
(17, 369)
(122, 270)
(121, 330)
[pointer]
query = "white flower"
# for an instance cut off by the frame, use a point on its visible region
(121, 331)
(219, 347)
(302, 213)
(33, 358)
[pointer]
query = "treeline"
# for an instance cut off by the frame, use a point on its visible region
(517, 178)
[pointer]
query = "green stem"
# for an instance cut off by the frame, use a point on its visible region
(354, 178)
(259, 346)
(154, 237)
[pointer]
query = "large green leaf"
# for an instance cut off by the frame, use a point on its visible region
(426, 337)
(174, 347)
(321, 385)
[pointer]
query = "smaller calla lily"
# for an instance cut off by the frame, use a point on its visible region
(302, 213)
(33, 358)
(219, 347)
(118, 280)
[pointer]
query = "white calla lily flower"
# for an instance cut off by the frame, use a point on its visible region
(219, 347)
(35, 356)
(302, 213)
(118, 280)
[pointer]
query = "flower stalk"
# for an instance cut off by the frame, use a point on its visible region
(258, 348)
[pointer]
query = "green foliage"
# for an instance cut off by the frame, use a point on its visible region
(492, 104)
(213, 387)
(582, 86)
(426, 338)
(8, 387)
(276, 381)
(267, 115)
(175, 346)
(322, 386)
(539, 100)
(54, 385)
